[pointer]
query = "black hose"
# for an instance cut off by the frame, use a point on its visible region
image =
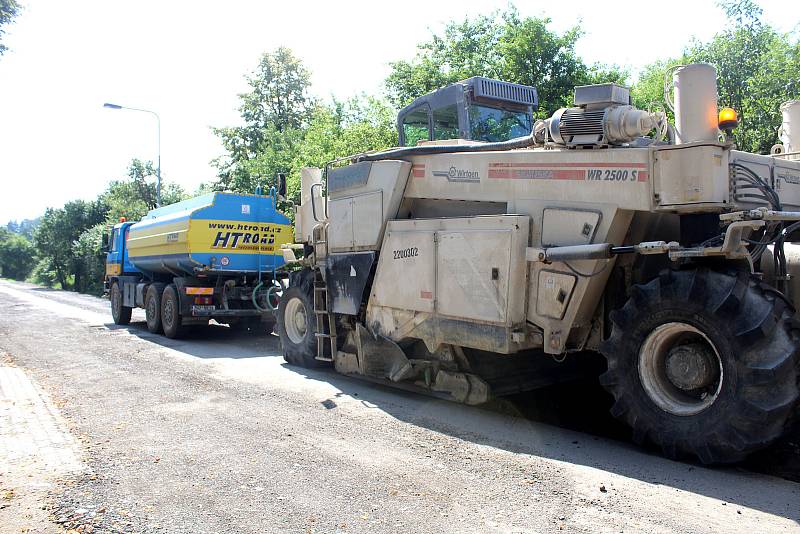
(424, 150)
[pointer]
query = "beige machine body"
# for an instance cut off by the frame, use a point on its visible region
(457, 232)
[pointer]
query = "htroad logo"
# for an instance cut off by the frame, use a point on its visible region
(459, 175)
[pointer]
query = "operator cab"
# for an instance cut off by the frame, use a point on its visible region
(477, 109)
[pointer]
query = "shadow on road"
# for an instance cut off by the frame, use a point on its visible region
(568, 422)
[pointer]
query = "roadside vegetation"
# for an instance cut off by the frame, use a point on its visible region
(285, 128)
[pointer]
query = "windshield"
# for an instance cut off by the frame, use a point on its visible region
(493, 124)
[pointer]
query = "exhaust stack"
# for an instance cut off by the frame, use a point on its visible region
(695, 103)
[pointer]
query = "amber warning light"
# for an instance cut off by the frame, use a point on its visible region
(728, 120)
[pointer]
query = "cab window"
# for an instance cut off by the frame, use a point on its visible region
(113, 244)
(445, 123)
(415, 126)
(494, 124)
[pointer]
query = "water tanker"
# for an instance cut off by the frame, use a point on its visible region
(214, 256)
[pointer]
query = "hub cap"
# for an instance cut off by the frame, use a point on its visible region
(680, 369)
(295, 320)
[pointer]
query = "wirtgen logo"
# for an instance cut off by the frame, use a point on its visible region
(455, 174)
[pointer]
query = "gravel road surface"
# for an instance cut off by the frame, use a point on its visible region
(215, 433)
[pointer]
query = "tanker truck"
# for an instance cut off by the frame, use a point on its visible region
(492, 252)
(217, 256)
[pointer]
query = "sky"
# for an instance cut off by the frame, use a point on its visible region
(186, 60)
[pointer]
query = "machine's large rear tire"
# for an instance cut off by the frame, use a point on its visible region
(703, 364)
(297, 324)
(152, 308)
(120, 313)
(171, 313)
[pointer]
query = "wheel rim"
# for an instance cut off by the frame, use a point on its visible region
(169, 309)
(680, 369)
(115, 302)
(151, 310)
(295, 320)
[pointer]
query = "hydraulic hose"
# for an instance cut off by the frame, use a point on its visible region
(397, 153)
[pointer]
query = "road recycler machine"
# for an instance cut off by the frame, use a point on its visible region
(491, 253)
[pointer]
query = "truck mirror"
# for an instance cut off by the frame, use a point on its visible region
(282, 185)
(104, 246)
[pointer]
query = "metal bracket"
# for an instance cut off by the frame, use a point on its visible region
(732, 246)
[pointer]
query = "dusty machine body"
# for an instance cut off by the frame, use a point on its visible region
(471, 269)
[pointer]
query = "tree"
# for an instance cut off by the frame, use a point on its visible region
(359, 124)
(275, 111)
(758, 68)
(134, 196)
(90, 258)
(17, 255)
(279, 95)
(54, 238)
(502, 45)
(8, 10)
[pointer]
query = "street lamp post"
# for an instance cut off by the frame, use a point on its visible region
(158, 123)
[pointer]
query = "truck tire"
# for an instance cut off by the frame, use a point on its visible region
(703, 364)
(120, 313)
(170, 313)
(297, 324)
(152, 308)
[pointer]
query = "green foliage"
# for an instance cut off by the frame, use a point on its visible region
(285, 129)
(275, 112)
(25, 227)
(758, 68)
(90, 258)
(359, 124)
(133, 197)
(502, 45)
(279, 95)
(54, 238)
(8, 10)
(17, 255)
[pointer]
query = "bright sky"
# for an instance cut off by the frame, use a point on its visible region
(187, 59)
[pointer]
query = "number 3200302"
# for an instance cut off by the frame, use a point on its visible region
(406, 253)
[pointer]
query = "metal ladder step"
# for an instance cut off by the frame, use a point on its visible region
(321, 310)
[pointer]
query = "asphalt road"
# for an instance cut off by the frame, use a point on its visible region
(215, 433)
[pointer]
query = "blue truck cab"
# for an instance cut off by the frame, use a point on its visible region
(117, 262)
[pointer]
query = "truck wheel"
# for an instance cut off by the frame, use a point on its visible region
(120, 313)
(152, 308)
(170, 313)
(703, 364)
(297, 324)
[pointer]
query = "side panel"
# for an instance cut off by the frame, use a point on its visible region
(406, 275)
(444, 280)
(611, 176)
(690, 175)
(362, 197)
(473, 274)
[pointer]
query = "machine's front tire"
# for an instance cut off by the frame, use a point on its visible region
(152, 308)
(703, 364)
(297, 324)
(120, 313)
(170, 313)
